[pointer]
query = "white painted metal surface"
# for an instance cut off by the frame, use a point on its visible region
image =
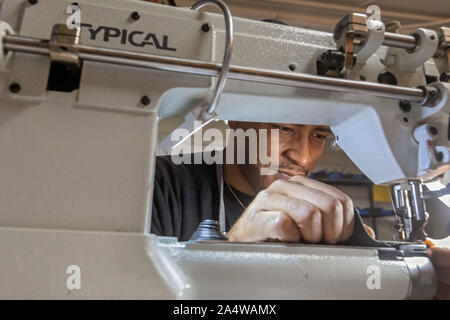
(136, 266)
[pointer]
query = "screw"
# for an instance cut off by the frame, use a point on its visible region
(433, 131)
(135, 15)
(14, 87)
(292, 66)
(206, 27)
(362, 77)
(405, 106)
(145, 100)
(32, 2)
(405, 119)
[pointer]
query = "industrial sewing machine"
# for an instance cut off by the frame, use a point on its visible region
(79, 112)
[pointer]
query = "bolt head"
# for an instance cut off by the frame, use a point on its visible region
(206, 27)
(145, 100)
(135, 15)
(14, 87)
(405, 106)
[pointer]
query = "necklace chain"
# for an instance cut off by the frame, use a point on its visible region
(234, 194)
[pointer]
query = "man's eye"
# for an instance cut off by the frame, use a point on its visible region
(319, 136)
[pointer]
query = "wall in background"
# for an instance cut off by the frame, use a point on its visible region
(324, 14)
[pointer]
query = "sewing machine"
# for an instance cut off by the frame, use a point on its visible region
(79, 113)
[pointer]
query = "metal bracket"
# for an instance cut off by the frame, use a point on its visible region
(372, 42)
(442, 56)
(409, 60)
(63, 45)
(349, 32)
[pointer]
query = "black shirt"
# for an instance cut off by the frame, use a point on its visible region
(186, 194)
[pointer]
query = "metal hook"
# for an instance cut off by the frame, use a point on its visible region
(226, 57)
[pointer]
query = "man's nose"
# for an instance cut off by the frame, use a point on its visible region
(300, 153)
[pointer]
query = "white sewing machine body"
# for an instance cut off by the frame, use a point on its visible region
(76, 174)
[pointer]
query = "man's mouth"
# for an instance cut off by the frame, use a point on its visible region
(287, 175)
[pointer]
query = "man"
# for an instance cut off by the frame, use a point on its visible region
(285, 206)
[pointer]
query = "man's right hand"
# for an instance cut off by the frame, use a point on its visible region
(294, 210)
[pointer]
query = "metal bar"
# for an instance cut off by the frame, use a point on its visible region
(398, 40)
(301, 80)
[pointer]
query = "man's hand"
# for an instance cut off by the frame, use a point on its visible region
(440, 257)
(294, 210)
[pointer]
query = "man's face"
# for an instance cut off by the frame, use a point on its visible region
(299, 148)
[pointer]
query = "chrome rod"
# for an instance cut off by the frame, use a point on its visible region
(398, 40)
(301, 80)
